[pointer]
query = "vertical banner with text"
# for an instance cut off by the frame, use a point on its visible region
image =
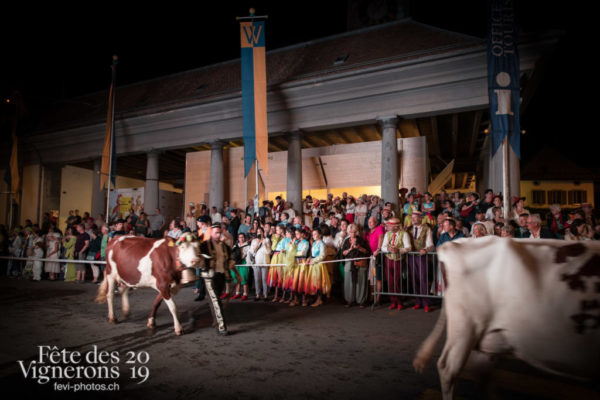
(503, 75)
(254, 94)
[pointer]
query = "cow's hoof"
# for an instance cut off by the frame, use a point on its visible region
(150, 324)
(112, 320)
(125, 317)
(179, 333)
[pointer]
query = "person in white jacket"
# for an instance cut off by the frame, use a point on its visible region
(259, 254)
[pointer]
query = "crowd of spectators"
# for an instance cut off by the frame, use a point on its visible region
(84, 238)
(349, 228)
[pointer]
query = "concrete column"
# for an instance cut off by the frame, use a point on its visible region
(294, 171)
(389, 160)
(413, 171)
(151, 193)
(98, 194)
(217, 186)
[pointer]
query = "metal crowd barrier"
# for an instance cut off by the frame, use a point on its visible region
(412, 275)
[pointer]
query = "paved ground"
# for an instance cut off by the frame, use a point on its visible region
(273, 351)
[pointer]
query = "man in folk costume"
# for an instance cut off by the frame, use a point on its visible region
(307, 210)
(203, 234)
(422, 242)
(216, 271)
(278, 209)
(396, 243)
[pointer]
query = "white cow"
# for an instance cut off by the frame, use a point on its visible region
(536, 299)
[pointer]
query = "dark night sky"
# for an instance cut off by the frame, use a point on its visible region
(57, 51)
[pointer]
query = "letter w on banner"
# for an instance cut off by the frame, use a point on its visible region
(503, 75)
(254, 94)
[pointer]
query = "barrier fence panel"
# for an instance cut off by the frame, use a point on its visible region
(409, 275)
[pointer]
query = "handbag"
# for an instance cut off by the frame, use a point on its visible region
(361, 263)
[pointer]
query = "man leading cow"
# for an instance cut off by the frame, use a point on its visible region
(216, 271)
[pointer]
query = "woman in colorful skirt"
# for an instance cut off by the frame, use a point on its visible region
(52, 251)
(350, 209)
(300, 268)
(278, 257)
(38, 252)
(69, 246)
(289, 261)
(318, 283)
(275, 235)
(409, 207)
(428, 210)
(240, 279)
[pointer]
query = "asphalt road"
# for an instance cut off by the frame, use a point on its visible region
(273, 351)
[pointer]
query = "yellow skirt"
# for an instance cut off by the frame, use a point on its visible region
(275, 275)
(318, 279)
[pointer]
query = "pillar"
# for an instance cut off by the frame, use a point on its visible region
(98, 194)
(216, 189)
(389, 160)
(294, 172)
(151, 193)
(413, 171)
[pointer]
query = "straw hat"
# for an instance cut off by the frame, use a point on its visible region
(393, 221)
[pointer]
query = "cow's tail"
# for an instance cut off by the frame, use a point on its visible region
(102, 292)
(428, 346)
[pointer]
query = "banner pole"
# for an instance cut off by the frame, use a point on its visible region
(256, 198)
(505, 179)
(112, 137)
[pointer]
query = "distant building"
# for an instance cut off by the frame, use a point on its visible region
(551, 178)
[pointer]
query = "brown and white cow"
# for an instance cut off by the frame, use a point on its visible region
(141, 262)
(536, 299)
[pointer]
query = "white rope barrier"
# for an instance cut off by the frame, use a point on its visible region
(57, 260)
(321, 262)
(63, 260)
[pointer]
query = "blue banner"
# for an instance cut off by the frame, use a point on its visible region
(248, 109)
(254, 94)
(503, 75)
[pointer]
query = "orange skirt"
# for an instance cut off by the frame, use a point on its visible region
(297, 278)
